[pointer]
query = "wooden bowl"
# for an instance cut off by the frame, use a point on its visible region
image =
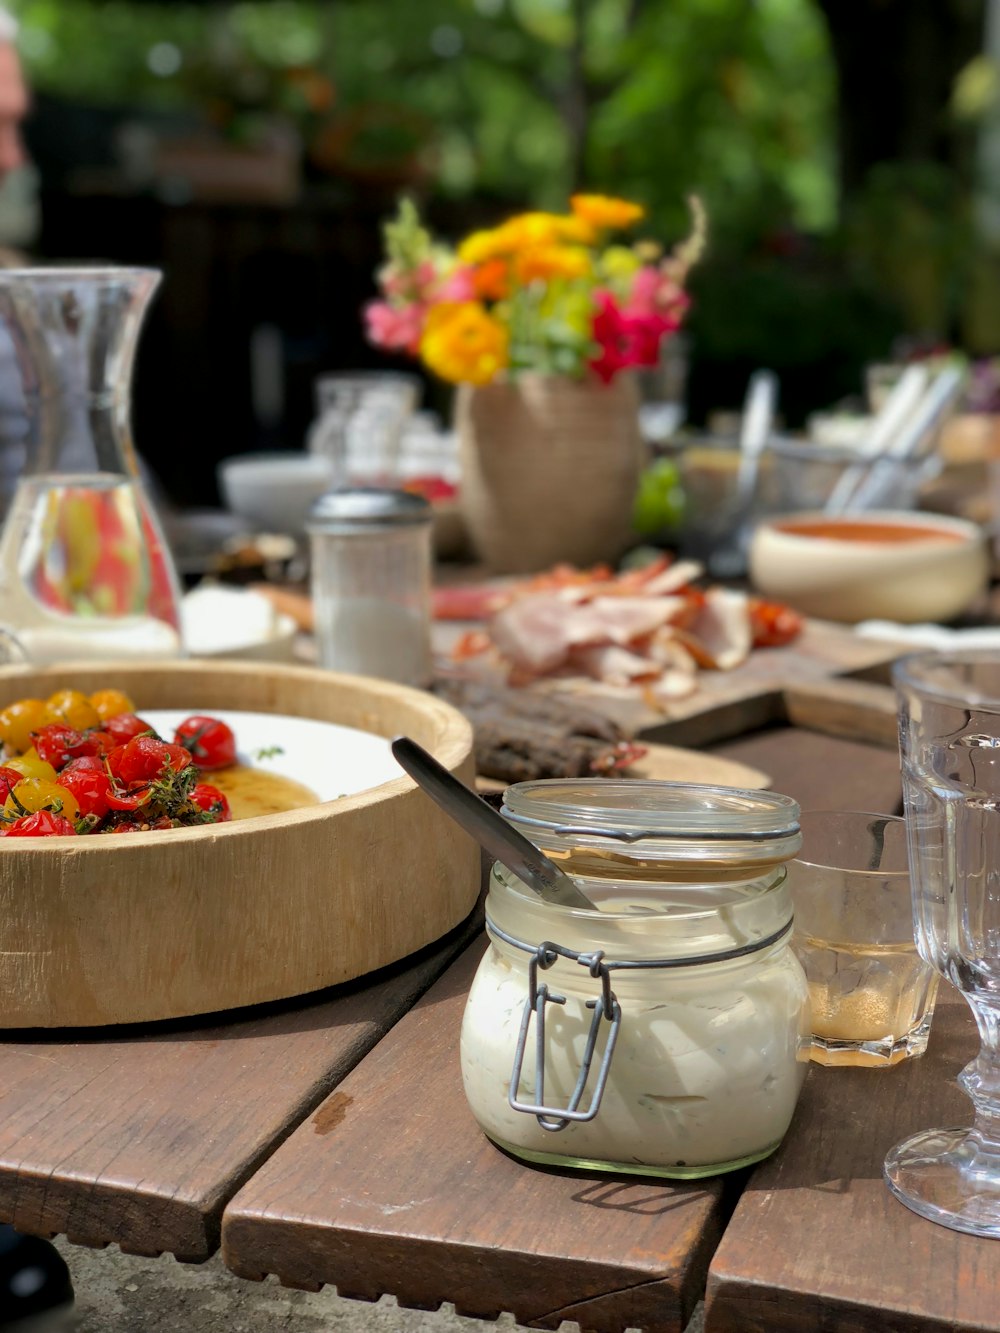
(97, 930)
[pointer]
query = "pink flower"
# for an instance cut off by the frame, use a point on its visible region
(625, 339)
(395, 326)
(456, 286)
(655, 292)
(408, 284)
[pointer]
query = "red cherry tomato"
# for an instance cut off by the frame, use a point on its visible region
(145, 758)
(773, 624)
(119, 798)
(9, 777)
(57, 743)
(42, 824)
(211, 742)
(91, 787)
(126, 725)
(87, 763)
(210, 798)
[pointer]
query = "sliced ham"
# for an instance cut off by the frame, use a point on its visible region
(613, 664)
(720, 636)
(532, 632)
(621, 619)
(674, 578)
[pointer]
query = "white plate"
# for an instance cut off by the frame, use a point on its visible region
(329, 759)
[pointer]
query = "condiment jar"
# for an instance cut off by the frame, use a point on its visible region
(666, 1033)
(371, 582)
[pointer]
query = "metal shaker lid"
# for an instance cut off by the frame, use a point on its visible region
(354, 508)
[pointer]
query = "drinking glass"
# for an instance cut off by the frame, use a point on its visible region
(871, 994)
(360, 423)
(949, 728)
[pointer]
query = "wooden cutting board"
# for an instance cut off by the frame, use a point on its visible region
(669, 763)
(823, 649)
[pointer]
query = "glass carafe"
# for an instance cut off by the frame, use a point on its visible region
(84, 569)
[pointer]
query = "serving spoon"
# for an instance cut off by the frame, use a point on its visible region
(490, 830)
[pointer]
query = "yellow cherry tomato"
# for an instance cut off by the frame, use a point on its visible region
(109, 703)
(39, 794)
(18, 720)
(73, 708)
(31, 766)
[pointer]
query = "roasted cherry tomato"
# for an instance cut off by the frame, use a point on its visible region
(210, 798)
(39, 794)
(145, 758)
(126, 725)
(18, 720)
(9, 777)
(42, 824)
(119, 798)
(73, 708)
(89, 787)
(57, 743)
(112, 703)
(773, 624)
(211, 743)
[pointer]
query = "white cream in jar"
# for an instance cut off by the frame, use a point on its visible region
(710, 1051)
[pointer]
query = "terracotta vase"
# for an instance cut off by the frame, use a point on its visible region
(550, 469)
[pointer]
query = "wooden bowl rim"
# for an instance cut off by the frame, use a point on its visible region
(452, 747)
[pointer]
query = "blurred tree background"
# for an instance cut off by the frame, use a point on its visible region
(833, 141)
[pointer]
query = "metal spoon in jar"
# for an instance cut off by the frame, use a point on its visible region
(489, 829)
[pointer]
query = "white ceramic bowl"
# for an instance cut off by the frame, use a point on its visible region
(878, 565)
(274, 492)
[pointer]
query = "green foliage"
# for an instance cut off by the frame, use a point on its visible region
(519, 100)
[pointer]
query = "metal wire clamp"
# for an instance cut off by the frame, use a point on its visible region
(555, 1118)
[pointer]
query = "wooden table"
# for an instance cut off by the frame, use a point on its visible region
(329, 1141)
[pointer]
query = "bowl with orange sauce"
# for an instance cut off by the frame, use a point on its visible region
(876, 565)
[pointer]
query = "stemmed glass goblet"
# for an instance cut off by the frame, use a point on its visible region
(949, 727)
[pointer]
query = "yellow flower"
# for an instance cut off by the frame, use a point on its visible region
(463, 344)
(544, 262)
(524, 231)
(601, 210)
(618, 261)
(481, 247)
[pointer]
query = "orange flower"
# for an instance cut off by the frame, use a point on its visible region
(545, 262)
(463, 344)
(601, 210)
(491, 280)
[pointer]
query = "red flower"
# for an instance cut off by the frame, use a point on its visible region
(624, 339)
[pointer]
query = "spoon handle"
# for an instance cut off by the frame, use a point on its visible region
(503, 842)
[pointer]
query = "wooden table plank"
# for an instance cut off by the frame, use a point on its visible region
(141, 1134)
(817, 1241)
(822, 772)
(392, 1187)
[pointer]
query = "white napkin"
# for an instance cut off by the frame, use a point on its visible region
(930, 636)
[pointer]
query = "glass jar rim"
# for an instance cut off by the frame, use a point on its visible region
(634, 809)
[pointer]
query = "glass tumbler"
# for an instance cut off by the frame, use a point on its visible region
(949, 726)
(361, 419)
(371, 583)
(871, 994)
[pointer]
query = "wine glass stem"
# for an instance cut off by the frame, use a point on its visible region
(981, 1079)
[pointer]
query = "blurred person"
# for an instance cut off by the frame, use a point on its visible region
(35, 1289)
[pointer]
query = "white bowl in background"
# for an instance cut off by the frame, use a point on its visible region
(877, 565)
(274, 492)
(235, 624)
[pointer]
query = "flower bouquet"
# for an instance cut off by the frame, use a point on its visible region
(535, 320)
(549, 293)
